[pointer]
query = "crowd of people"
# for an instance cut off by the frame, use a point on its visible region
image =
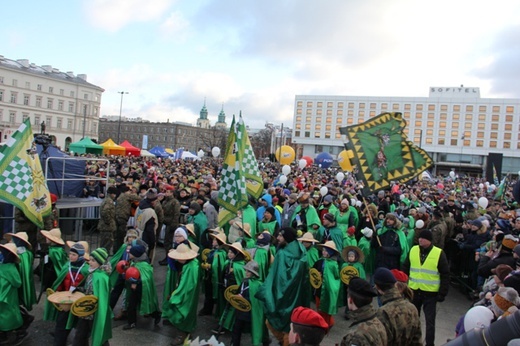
(281, 269)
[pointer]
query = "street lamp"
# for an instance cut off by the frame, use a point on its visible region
(460, 156)
(120, 111)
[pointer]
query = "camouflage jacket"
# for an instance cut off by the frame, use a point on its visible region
(160, 214)
(124, 206)
(400, 318)
(366, 329)
(172, 212)
(439, 231)
(107, 216)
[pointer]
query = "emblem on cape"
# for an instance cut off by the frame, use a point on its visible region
(230, 291)
(204, 255)
(315, 278)
(85, 306)
(348, 273)
(62, 300)
(240, 303)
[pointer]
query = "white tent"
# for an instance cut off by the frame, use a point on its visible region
(188, 155)
(146, 153)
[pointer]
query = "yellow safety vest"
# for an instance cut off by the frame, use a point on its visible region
(424, 277)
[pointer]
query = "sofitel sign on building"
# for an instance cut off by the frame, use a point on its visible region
(454, 92)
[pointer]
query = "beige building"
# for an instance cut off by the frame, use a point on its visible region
(66, 103)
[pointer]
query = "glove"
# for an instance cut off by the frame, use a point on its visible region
(351, 230)
(440, 298)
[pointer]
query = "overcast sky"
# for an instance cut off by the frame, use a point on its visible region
(255, 56)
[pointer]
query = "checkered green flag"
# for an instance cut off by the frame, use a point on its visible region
(254, 183)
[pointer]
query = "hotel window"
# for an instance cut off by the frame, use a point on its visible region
(329, 104)
(350, 121)
(307, 119)
(396, 106)
(71, 107)
(496, 109)
(429, 141)
(309, 104)
(299, 104)
(329, 111)
(320, 104)
(72, 94)
(481, 126)
(431, 107)
(318, 120)
(509, 118)
(455, 133)
(407, 106)
(328, 127)
(406, 132)
(307, 126)
(482, 108)
(494, 127)
(469, 108)
(297, 133)
(13, 97)
(481, 117)
(429, 124)
(38, 101)
(319, 112)
(510, 109)
(340, 104)
(467, 134)
(418, 123)
(25, 116)
(339, 120)
(298, 126)
(443, 116)
(372, 113)
(307, 134)
(338, 135)
(360, 120)
(36, 120)
(506, 145)
(456, 108)
(442, 124)
(299, 111)
(418, 115)
(361, 106)
(480, 134)
(419, 107)
(298, 118)
(407, 115)
(49, 103)
(480, 143)
(495, 117)
(328, 120)
(58, 123)
(361, 114)
(507, 135)
(429, 132)
(317, 135)
(454, 124)
(12, 117)
(327, 134)
(350, 114)
(60, 105)
(340, 112)
(373, 105)
(48, 121)
(453, 142)
(456, 116)
(441, 141)
(442, 133)
(492, 144)
(308, 111)
(317, 127)
(384, 105)
(351, 105)
(508, 127)
(26, 99)
(444, 108)
(430, 115)
(467, 125)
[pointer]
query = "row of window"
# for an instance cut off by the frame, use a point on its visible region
(398, 106)
(39, 87)
(38, 119)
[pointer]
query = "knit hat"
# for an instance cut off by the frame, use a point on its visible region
(137, 251)
(112, 190)
(367, 232)
(181, 231)
(426, 234)
(361, 287)
(195, 206)
(263, 239)
(131, 233)
(78, 249)
(509, 242)
(151, 195)
(399, 275)
(308, 317)
(383, 275)
(293, 196)
(476, 223)
(329, 217)
(100, 255)
(502, 271)
(270, 210)
(288, 233)
(327, 199)
(505, 298)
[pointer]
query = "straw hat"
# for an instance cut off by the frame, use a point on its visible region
(53, 235)
(329, 244)
(246, 228)
(253, 267)
(191, 229)
(182, 252)
(237, 246)
(86, 256)
(12, 249)
(221, 237)
(64, 299)
(360, 254)
(20, 235)
(307, 237)
(216, 230)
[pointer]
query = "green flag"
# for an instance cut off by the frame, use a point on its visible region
(22, 183)
(382, 152)
(254, 183)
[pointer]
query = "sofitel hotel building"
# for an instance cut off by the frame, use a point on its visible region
(457, 127)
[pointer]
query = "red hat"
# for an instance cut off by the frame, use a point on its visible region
(168, 187)
(54, 198)
(308, 317)
(399, 275)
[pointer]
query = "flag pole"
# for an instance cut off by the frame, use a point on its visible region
(372, 221)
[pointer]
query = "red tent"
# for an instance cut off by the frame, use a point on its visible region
(130, 149)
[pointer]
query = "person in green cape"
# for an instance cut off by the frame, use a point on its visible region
(97, 326)
(117, 279)
(390, 244)
(326, 296)
(368, 253)
(268, 222)
(330, 231)
(305, 216)
(233, 274)
(184, 298)
(11, 321)
(244, 235)
(215, 265)
(71, 277)
(346, 215)
(262, 254)
(27, 291)
(286, 285)
(199, 220)
(56, 258)
(308, 241)
(254, 319)
(140, 292)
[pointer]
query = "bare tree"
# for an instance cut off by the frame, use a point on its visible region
(215, 137)
(261, 142)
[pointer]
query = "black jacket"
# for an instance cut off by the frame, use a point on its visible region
(486, 263)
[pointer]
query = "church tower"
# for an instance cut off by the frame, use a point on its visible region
(203, 121)
(221, 122)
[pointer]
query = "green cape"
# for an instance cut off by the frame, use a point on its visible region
(102, 326)
(27, 291)
(330, 287)
(149, 303)
(10, 281)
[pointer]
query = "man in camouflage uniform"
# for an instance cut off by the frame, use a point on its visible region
(366, 329)
(107, 226)
(172, 213)
(123, 212)
(438, 228)
(398, 315)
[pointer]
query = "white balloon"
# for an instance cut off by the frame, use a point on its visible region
(215, 151)
(486, 183)
(200, 153)
(493, 186)
(302, 163)
(340, 176)
(477, 317)
(358, 204)
(283, 179)
(286, 169)
(402, 197)
(323, 191)
(352, 201)
(419, 224)
(483, 202)
(518, 172)
(452, 174)
(481, 186)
